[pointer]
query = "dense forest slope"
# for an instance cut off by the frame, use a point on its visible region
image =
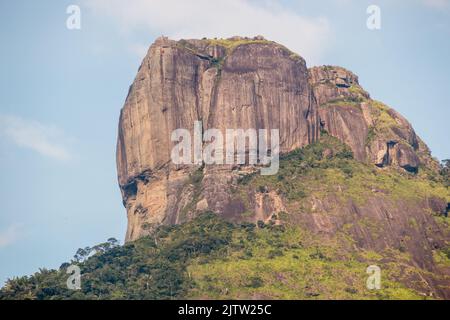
(211, 258)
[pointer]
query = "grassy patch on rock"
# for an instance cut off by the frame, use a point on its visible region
(328, 167)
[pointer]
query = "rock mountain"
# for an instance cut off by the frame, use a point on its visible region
(388, 199)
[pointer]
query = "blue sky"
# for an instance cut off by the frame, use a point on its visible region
(61, 92)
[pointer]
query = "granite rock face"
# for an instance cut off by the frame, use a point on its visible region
(230, 84)
(240, 83)
(376, 133)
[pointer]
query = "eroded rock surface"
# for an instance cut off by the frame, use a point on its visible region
(230, 84)
(240, 83)
(254, 83)
(376, 133)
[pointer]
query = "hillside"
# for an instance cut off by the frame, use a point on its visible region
(210, 258)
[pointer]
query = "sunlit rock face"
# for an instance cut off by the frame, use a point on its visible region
(376, 133)
(231, 84)
(240, 83)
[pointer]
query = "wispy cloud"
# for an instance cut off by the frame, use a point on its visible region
(9, 235)
(31, 134)
(308, 36)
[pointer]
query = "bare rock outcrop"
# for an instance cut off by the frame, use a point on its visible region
(240, 83)
(225, 84)
(376, 133)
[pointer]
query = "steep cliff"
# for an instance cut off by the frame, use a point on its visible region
(375, 132)
(352, 168)
(228, 84)
(240, 83)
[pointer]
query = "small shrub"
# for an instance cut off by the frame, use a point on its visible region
(255, 282)
(275, 253)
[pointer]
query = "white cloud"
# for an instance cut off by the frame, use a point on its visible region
(177, 19)
(33, 135)
(9, 236)
(438, 4)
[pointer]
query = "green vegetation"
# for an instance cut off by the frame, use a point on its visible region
(328, 167)
(210, 258)
(231, 44)
(442, 257)
(384, 124)
(289, 263)
(215, 62)
(383, 120)
(445, 172)
(195, 182)
(358, 91)
(353, 101)
(370, 135)
(150, 268)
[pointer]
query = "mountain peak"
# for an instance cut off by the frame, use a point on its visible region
(379, 174)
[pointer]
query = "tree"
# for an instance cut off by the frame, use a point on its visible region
(445, 171)
(82, 254)
(114, 242)
(104, 247)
